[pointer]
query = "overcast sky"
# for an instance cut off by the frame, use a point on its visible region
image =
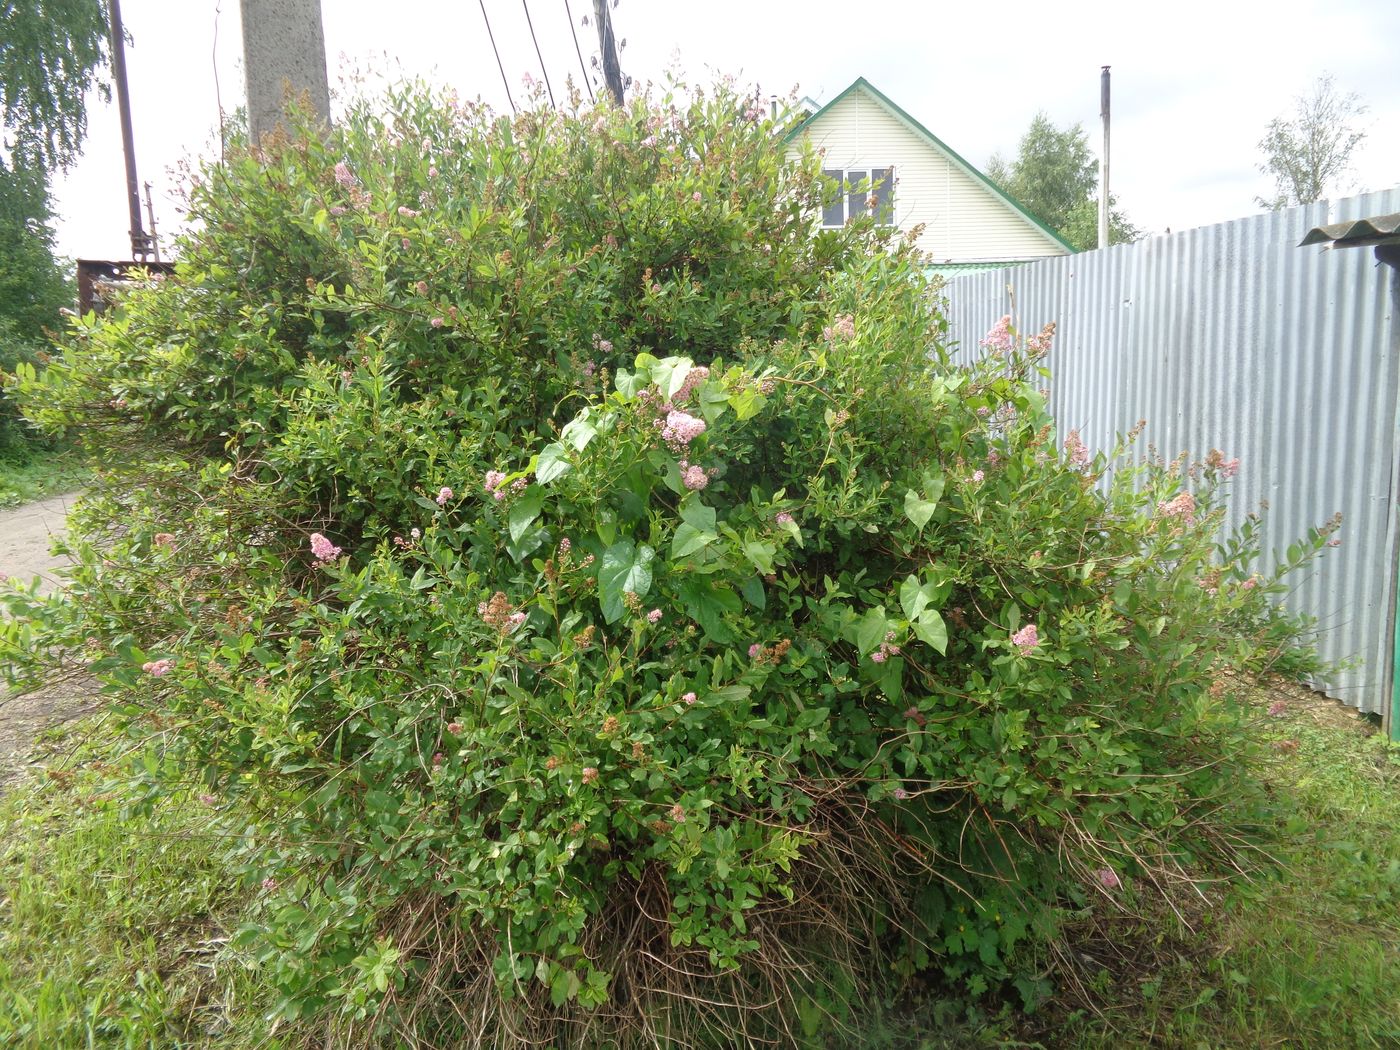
(1194, 82)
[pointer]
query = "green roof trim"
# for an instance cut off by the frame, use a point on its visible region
(937, 143)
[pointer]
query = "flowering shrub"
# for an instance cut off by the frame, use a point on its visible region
(626, 622)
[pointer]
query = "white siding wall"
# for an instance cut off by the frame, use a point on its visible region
(964, 221)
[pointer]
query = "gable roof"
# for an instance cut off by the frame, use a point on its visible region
(938, 144)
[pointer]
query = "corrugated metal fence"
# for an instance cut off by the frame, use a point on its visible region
(1232, 337)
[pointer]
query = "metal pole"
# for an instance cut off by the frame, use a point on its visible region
(140, 246)
(151, 218)
(1103, 167)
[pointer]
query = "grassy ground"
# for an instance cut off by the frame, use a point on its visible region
(113, 925)
(36, 474)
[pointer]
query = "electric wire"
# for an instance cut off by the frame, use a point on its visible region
(492, 36)
(543, 68)
(579, 51)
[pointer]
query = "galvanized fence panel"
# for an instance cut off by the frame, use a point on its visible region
(1232, 337)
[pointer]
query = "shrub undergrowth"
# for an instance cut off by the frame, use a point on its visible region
(607, 614)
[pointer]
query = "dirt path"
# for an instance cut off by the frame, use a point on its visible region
(26, 534)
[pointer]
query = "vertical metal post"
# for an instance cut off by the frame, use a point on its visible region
(151, 218)
(1103, 166)
(140, 244)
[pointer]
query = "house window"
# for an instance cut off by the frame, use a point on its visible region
(850, 191)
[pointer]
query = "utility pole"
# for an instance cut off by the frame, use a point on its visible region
(284, 56)
(151, 218)
(612, 71)
(141, 249)
(1103, 167)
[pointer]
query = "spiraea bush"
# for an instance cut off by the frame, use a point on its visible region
(626, 625)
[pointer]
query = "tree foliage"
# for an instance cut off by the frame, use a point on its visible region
(33, 285)
(1310, 152)
(1055, 176)
(51, 53)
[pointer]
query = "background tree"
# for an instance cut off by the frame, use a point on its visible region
(51, 55)
(1310, 151)
(1055, 176)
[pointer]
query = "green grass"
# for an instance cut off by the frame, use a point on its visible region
(1306, 956)
(112, 924)
(37, 473)
(113, 927)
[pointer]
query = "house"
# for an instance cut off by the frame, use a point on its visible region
(886, 159)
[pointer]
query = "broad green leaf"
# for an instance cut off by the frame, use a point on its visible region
(524, 511)
(747, 402)
(871, 630)
(932, 631)
(917, 509)
(708, 604)
(760, 554)
(579, 431)
(752, 590)
(628, 384)
(696, 514)
(669, 374)
(912, 598)
(626, 567)
(688, 539)
(552, 463)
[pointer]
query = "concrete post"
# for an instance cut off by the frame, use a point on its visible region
(284, 50)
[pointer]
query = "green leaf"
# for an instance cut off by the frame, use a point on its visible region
(696, 514)
(669, 375)
(932, 631)
(912, 598)
(760, 554)
(871, 630)
(626, 567)
(552, 463)
(524, 511)
(752, 590)
(579, 431)
(688, 539)
(707, 605)
(917, 509)
(628, 384)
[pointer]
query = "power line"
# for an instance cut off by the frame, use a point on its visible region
(543, 68)
(579, 52)
(502, 68)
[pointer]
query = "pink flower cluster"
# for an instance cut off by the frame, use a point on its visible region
(654, 616)
(978, 477)
(444, 494)
(886, 650)
(1277, 709)
(681, 428)
(344, 175)
(843, 326)
(323, 549)
(157, 668)
(408, 213)
(694, 477)
(1076, 451)
(1182, 506)
(1027, 639)
(689, 698)
(1108, 878)
(496, 485)
(1000, 339)
(783, 518)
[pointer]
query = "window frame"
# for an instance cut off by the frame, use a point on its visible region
(846, 196)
